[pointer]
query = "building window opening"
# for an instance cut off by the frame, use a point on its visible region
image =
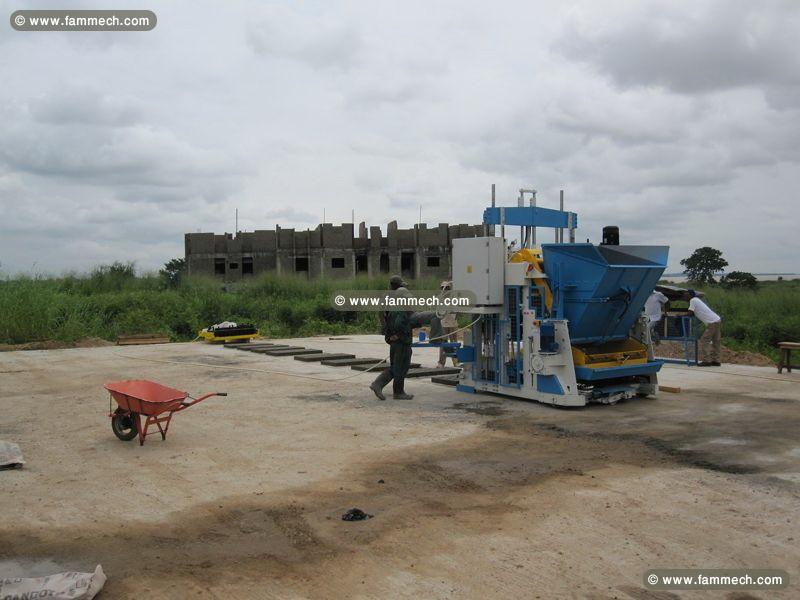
(247, 265)
(301, 263)
(337, 263)
(361, 264)
(219, 266)
(407, 264)
(433, 261)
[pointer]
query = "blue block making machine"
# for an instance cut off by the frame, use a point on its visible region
(562, 322)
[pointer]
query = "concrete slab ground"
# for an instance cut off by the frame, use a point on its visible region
(473, 496)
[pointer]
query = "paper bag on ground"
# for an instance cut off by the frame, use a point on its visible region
(74, 586)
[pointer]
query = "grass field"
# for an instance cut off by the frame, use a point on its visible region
(112, 301)
(758, 320)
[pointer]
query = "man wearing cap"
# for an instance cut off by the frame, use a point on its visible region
(710, 340)
(397, 333)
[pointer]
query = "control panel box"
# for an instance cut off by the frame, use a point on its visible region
(479, 266)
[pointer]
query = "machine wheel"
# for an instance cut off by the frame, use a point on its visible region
(124, 425)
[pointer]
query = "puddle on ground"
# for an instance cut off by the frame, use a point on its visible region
(725, 441)
(319, 397)
(207, 359)
(485, 408)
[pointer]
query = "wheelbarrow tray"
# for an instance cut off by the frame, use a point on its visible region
(145, 397)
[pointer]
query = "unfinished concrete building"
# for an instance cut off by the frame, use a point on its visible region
(327, 251)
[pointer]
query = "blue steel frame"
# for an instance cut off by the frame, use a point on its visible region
(688, 337)
(513, 340)
(529, 216)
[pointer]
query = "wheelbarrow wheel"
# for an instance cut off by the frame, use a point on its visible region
(124, 425)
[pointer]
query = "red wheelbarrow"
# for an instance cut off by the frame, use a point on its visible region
(156, 402)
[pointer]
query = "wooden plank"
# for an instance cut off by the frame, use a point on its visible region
(276, 351)
(349, 362)
(426, 372)
(367, 367)
(669, 388)
(293, 352)
(445, 379)
(263, 350)
(249, 345)
(323, 356)
(142, 341)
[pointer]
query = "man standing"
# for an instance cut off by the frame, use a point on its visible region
(397, 333)
(654, 310)
(711, 336)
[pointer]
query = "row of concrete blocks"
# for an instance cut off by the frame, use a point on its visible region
(339, 359)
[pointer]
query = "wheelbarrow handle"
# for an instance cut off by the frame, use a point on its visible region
(201, 398)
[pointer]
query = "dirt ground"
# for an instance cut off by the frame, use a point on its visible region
(56, 345)
(669, 349)
(473, 496)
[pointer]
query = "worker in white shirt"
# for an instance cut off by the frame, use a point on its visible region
(710, 340)
(449, 325)
(654, 311)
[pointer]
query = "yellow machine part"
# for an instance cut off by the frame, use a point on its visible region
(209, 336)
(611, 354)
(533, 256)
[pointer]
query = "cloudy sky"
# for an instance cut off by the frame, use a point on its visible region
(677, 121)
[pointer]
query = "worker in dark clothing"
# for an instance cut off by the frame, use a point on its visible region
(397, 333)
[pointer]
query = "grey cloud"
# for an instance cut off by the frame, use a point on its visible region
(315, 40)
(389, 94)
(713, 46)
(85, 107)
(94, 139)
(291, 215)
(403, 201)
(663, 118)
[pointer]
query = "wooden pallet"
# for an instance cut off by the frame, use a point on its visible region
(142, 339)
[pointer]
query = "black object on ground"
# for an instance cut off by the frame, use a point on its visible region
(355, 514)
(446, 379)
(325, 356)
(293, 352)
(433, 372)
(349, 362)
(368, 366)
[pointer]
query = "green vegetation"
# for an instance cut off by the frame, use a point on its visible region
(112, 301)
(703, 264)
(756, 319)
(739, 279)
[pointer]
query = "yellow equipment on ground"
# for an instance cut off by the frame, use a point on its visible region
(227, 332)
